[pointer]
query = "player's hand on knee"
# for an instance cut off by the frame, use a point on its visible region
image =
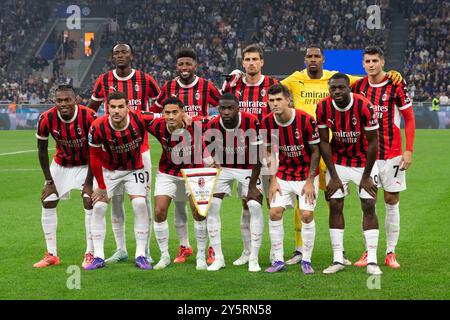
(87, 190)
(309, 192)
(274, 188)
(334, 185)
(99, 195)
(49, 189)
(368, 185)
(254, 194)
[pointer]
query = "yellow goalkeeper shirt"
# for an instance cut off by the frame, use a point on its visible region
(307, 92)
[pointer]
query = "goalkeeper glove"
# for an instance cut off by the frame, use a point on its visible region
(395, 77)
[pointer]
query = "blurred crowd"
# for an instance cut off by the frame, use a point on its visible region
(216, 30)
(427, 62)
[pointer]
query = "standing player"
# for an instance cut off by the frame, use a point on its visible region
(350, 157)
(197, 94)
(307, 88)
(138, 87)
(169, 184)
(298, 144)
(115, 141)
(390, 101)
(251, 90)
(68, 123)
(233, 136)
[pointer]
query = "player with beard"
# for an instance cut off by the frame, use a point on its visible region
(197, 94)
(391, 102)
(251, 90)
(139, 88)
(307, 88)
(68, 124)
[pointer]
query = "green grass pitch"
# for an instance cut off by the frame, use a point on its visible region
(423, 249)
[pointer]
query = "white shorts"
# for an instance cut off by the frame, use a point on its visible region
(348, 174)
(242, 176)
(172, 186)
(391, 178)
(120, 181)
(289, 192)
(66, 179)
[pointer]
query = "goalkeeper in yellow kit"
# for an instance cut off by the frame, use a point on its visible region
(307, 88)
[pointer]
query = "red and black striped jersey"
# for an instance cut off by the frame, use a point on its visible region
(237, 147)
(121, 148)
(139, 87)
(70, 136)
(196, 96)
(181, 149)
(389, 101)
(293, 140)
(252, 97)
(348, 125)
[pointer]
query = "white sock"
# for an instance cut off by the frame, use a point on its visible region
(392, 226)
(214, 226)
(256, 227)
(87, 223)
(162, 236)
(98, 228)
(118, 221)
(49, 223)
(276, 232)
(181, 223)
(371, 237)
(337, 243)
(148, 202)
(140, 225)
(245, 230)
(308, 237)
(201, 235)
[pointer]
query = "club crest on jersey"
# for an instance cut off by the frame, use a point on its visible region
(201, 182)
(197, 95)
(136, 87)
(384, 97)
(354, 121)
(297, 134)
(263, 93)
(79, 131)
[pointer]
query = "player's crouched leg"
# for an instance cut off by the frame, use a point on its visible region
(98, 232)
(141, 227)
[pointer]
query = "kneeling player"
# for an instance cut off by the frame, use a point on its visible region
(169, 184)
(68, 123)
(115, 146)
(298, 144)
(235, 142)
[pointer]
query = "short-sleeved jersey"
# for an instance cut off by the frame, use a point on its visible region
(138, 86)
(234, 148)
(307, 92)
(294, 139)
(182, 149)
(389, 101)
(348, 125)
(121, 148)
(71, 136)
(196, 96)
(252, 97)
